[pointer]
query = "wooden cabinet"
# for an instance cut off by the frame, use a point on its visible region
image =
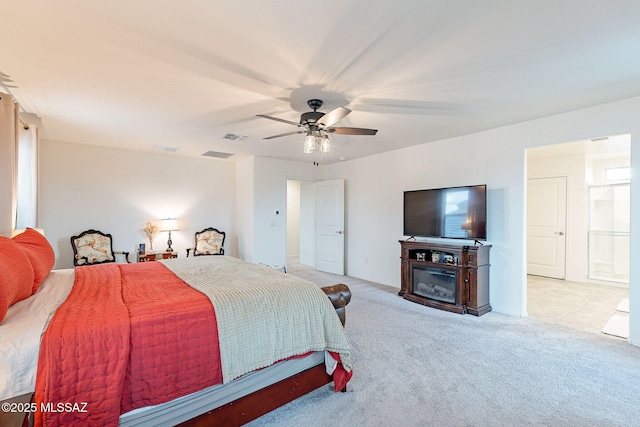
(155, 256)
(445, 276)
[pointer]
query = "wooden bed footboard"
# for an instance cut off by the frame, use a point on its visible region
(255, 405)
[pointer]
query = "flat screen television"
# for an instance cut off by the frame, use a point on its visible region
(452, 213)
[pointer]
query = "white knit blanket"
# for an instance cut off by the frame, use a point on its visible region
(263, 315)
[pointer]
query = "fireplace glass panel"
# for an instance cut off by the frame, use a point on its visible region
(436, 284)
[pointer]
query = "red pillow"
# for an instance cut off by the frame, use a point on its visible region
(40, 253)
(16, 275)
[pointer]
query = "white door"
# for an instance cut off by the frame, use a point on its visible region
(330, 226)
(546, 226)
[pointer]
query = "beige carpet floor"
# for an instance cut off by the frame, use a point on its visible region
(418, 366)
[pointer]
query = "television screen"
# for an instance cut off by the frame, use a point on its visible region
(453, 213)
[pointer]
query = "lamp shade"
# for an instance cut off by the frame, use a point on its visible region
(169, 224)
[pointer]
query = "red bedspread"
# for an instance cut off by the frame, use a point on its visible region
(150, 339)
(128, 336)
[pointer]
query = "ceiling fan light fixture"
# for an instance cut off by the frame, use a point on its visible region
(309, 143)
(325, 144)
(318, 125)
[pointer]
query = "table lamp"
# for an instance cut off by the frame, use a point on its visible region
(169, 224)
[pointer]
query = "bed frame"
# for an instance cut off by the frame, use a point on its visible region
(252, 406)
(244, 409)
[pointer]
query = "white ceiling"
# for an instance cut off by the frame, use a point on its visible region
(609, 147)
(183, 74)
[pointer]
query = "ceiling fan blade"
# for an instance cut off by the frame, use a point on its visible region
(352, 131)
(286, 134)
(399, 106)
(279, 120)
(333, 116)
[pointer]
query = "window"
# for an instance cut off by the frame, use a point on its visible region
(617, 174)
(27, 178)
(456, 212)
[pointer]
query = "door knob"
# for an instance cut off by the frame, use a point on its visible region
(339, 232)
(559, 233)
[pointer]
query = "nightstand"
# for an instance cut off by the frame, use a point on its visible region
(155, 256)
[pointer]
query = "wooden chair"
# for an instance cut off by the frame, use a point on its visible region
(94, 247)
(209, 241)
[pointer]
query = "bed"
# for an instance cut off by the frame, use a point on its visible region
(161, 343)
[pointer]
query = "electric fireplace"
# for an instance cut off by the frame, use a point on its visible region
(446, 276)
(434, 283)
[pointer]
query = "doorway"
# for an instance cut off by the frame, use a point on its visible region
(595, 207)
(315, 224)
(301, 213)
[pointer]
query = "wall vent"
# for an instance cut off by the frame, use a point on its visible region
(601, 139)
(157, 147)
(217, 154)
(235, 137)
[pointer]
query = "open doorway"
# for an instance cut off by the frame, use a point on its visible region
(301, 240)
(577, 236)
(315, 224)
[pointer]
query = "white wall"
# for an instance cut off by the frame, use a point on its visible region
(118, 191)
(495, 157)
(244, 207)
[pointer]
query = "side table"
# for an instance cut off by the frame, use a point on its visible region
(155, 256)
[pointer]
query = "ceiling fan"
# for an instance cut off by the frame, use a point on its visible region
(320, 124)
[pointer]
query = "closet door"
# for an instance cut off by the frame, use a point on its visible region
(546, 226)
(330, 226)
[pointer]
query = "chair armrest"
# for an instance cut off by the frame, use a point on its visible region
(126, 255)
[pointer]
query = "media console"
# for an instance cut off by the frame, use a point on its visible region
(445, 276)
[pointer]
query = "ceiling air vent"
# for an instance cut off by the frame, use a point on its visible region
(157, 147)
(601, 139)
(217, 154)
(235, 137)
